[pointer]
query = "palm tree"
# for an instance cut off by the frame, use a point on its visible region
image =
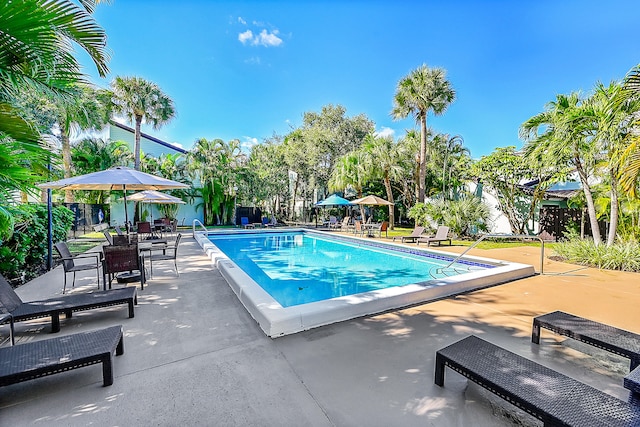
(566, 140)
(383, 161)
(630, 153)
(350, 171)
(141, 101)
(424, 90)
(36, 53)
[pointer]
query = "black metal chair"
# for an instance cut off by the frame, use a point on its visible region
(69, 265)
(169, 252)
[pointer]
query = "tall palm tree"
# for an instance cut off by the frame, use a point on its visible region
(141, 101)
(565, 139)
(383, 161)
(424, 90)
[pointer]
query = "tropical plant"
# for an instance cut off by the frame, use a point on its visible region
(267, 175)
(424, 90)
(217, 165)
(503, 171)
(383, 160)
(465, 216)
(36, 53)
(350, 171)
(141, 101)
(630, 154)
(562, 137)
(93, 155)
(22, 254)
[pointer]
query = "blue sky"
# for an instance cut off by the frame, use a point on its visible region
(249, 69)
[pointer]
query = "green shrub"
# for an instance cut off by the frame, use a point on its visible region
(464, 217)
(23, 254)
(624, 256)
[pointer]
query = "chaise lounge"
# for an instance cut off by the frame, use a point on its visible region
(11, 303)
(548, 395)
(609, 338)
(441, 236)
(54, 355)
(415, 234)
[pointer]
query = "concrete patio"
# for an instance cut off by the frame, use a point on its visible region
(194, 356)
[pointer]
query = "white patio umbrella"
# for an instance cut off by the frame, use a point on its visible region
(155, 197)
(118, 178)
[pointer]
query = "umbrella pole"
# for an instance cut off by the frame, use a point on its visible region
(126, 212)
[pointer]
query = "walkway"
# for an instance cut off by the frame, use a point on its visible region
(193, 356)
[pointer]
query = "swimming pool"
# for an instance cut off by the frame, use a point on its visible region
(294, 280)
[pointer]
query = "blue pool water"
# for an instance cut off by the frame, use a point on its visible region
(298, 268)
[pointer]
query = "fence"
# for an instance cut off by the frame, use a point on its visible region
(557, 221)
(85, 217)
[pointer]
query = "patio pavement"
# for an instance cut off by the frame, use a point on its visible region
(194, 356)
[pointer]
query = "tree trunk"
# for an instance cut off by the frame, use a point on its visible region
(591, 209)
(136, 146)
(423, 158)
(66, 162)
(387, 185)
(615, 206)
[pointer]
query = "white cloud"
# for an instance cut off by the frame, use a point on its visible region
(385, 132)
(265, 38)
(242, 21)
(268, 39)
(245, 37)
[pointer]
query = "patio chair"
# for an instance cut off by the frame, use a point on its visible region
(172, 255)
(144, 229)
(415, 234)
(441, 236)
(358, 228)
(384, 227)
(11, 303)
(345, 225)
(123, 259)
(69, 265)
(244, 221)
(54, 355)
(333, 222)
(118, 231)
(108, 236)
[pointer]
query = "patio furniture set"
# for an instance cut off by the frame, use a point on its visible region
(554, 398)
(50, 356)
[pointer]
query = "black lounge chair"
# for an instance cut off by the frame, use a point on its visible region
(609, 338)
(548, 395)
(54, 355)
(11, 303)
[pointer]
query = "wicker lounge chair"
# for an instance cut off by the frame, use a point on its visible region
(548, 395)
(69, 265)
(11, 303)
(416, 233)
(441, 236)
(54, 355)
(614, 340)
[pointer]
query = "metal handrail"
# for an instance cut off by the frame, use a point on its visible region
(503, 236)
(197, 221)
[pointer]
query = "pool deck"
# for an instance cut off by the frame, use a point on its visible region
(194, 356)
